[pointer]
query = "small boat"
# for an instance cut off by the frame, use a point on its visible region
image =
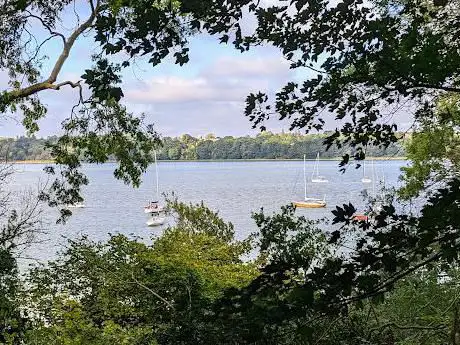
(316, 177)
(156, 219)
(76, 205)
(153, 208)
(308, 202)
(360, 217)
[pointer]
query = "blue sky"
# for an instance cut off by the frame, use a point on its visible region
(205, 96)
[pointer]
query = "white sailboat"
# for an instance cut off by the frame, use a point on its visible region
(153, 208)
(78, 204)
(316, 177)
(365, 179)
(309, 202)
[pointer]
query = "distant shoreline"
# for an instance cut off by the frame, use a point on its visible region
(31, 161)
(44, 161)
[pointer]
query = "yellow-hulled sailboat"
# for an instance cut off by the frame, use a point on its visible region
(308, 202)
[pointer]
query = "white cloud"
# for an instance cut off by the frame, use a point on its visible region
(205, 96)
(254, 67)
(174, 89)
(229, 79)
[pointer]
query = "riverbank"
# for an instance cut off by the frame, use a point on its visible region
(31, 161)
(44, 161)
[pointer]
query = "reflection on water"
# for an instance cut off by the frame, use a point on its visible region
(234, 188)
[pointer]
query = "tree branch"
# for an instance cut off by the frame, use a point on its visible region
(438, 87)
(68, 44)
(40, 46)
(152, 292)
(425, 86)
(92, 6)
(49, 28)
(68, 82)
(22, 93)
(382, 287)
(410, 327)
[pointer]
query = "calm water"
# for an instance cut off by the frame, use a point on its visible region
(234, 188)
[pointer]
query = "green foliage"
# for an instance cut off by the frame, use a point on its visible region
(277, 307)
(433, 150)
(143, 294)
(191, 286)
(12, 323)
(201, 219)
(363, 61)
(263, 146)
(25, 148)
(421, 309)
(70, 325)
(367, 58)
(98, 126)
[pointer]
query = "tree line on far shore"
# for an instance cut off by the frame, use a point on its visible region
(266, 145)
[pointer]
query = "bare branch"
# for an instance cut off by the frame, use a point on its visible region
(152, 292)
(39, 47)
(45, 25)
(19, 227)
(76, 13)
(404, 327)
(92, 6)
(68, 44)
(68, 82)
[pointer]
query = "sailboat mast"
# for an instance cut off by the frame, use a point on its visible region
(156, 174)
(373, 178)
(315, 172)
(304, 177)
(317, 164)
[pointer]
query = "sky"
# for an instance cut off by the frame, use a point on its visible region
(204, 96)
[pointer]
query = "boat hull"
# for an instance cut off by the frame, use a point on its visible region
(319, 181)
(309, 204)
(360, 217)
(76, 206)
(156, 221)
(149, 210)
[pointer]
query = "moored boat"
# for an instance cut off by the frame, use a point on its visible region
(153, 208)
(308, 202)
(360, 217)
(316, 177)
(156, 219)
(76, 205)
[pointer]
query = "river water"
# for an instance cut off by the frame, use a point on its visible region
(235, 189)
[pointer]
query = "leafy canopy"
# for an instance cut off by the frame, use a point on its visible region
(99, 126)
(141, 293)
